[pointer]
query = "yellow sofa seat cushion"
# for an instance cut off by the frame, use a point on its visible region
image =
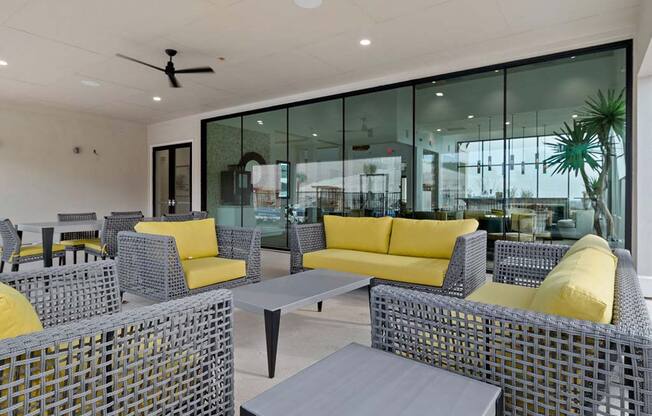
(79, 242)
(36, 250)
(511, 296)
(211, 270)
(581, 286)
(17, 315)
(418, 270)
(194, 239)
(428, 238)
(359, 233)
(589, 240)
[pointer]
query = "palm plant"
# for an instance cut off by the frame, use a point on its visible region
(588, 145)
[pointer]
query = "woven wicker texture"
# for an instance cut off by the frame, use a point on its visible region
(466, 270)
(545, 364)
(199, 215)
(173, 358)
(128, 213)
(109, 235)
(149, 265)
(11, 244)
(78, 235)
(70, 293)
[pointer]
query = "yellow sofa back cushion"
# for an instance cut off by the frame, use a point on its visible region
(194, 239)
(358, 233)
(428, 238)
(589, 240)
(17, 315)
(581, 286)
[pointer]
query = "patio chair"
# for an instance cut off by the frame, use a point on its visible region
(199, 215)
(15, 253)
(544, 364)
(128, 213)
(188, 216)
(107, 246)
(90, 358)
(74, 241)
(149, 265)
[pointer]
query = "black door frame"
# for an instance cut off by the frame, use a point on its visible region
(171, 172)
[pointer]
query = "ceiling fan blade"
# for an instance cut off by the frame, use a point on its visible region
(173, 81)
(200, 70)
(119, 55)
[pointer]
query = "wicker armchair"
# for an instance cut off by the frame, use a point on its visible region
(128, 213)
(199, 215)
(178, 217)
(466, 271)
(108, 244)
(15, 253)
(74, 241)
(91, 359)
(149, 265)
(545, 364)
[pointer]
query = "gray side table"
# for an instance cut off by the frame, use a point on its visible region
(363, 381)
(275, 297)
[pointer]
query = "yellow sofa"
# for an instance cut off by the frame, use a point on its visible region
(439, 256)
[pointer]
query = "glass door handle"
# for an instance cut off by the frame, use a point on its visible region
(173, 202)
(169, 202)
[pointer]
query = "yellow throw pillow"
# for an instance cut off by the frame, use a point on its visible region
(428, 238)
(581, 286)
(17, 315)
(358, 233)
(195, 239)
(589, 240)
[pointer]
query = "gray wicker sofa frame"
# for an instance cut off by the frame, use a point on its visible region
(545, 364)
(173, 358)
(149, 265)
(466, 270)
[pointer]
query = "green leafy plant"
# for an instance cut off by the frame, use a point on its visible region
(588, 145)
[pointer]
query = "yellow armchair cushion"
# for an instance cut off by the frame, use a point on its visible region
(17, 315)
(589, 240)
(211, 270)
(511, 296)
(359, 233)
(37, 250)
(581, 286)
(95, 245)
(194, 239)
(79, 242)
(418, 270)
(428, 238)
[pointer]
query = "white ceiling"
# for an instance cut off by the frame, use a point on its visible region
(272, 47)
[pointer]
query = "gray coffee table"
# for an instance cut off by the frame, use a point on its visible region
(275, 297)
(363, 381)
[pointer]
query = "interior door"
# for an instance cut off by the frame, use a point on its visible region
(172, 179)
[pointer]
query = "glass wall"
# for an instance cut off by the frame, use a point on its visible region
(487, 145)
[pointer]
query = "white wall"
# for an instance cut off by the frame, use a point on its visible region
(41, 176)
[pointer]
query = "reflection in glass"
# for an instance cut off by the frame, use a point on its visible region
(162, 182)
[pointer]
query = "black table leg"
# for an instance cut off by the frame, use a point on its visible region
(320, 305)
(46, 235)
(272, 323)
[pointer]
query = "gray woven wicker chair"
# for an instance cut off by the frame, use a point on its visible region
(178, 217)
(108, 244)
(545, 364)
(172, 358)
(199, 215)
(15, 253)
(74, 241)
(466, 271)
(128, 213)
(149, 265)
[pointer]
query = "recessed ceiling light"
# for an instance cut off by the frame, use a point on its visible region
(575, 116)
(470, 116)
(314, 135)
(260, 122)
(438, 129)
(439, 94)
(365, 42)
(572, 57)
(434, 82)
(507, 123)
(308, 4)
(496, 70)
(156, 98)
(90, 83)
(3, 63)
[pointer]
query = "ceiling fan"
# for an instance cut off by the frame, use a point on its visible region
(364, 128)
(169, 69)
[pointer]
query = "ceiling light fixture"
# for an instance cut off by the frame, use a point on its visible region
(156, 98)
(3, 63)
(439, 94)
(434, 82)
(438, 130)
(314, 135)
(470, 116)
(575, 116)
(308, 4)
(507, 123)
(572, 57)
(90, 83)
(365, 42)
